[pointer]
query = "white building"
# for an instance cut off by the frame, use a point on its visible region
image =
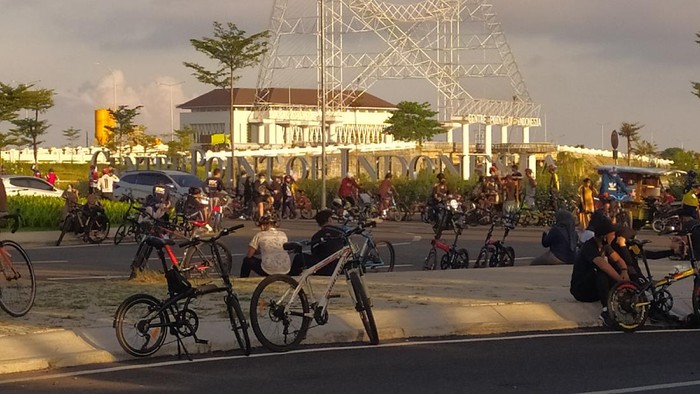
(290, 119)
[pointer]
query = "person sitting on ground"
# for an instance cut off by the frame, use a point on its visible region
(326, 241)
(561, 239)
(597, 268)
(266, 254)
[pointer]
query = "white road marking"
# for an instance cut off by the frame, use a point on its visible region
(331, 349)
(48, 261)
(89, 277)
(651, 387)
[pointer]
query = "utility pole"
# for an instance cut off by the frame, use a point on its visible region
(172, 125)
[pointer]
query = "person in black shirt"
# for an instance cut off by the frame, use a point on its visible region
(333, 241)
(597, 268)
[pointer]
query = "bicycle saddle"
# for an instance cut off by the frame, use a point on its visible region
(158, 242)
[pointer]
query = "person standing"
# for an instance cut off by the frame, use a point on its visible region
(386, 191)
(586, 193)
(93, 177)
(510, 195)
(530, 190)
(51, 177)
(35, 171)
(553, 187)
(288, 192)
(106, 183)
(214, 185)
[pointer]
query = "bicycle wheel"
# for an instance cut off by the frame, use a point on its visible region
(98, 229)
(394, 214)
(445, 261)
(431, 261)
(306, 213)
(462, 259)
(364, 307)
(506, 257)
(17, 281)
(279, 321)
(66, 227)
(696, 298)
(239, 325)
(628, 307)
(140, 325)
(120, 234)
(381, 258)
(483, 258)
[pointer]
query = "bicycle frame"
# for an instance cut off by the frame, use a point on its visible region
(342, 256)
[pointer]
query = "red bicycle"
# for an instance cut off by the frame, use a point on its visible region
(454, 257)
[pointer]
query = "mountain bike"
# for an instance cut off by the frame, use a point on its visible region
(375, 256)
(453, 257)
(630, 303)
(282, 308)
(131, 225)
(89, 221)
(142, 322)
(17, 280)
(495, 253)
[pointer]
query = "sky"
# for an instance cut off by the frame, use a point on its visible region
(590, 64)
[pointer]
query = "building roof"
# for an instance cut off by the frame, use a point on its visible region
(244, 97)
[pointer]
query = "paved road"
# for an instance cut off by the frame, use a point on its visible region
(574, 362)
(76, 261)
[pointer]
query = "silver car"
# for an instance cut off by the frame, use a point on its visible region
(139, 184)
(24, 185)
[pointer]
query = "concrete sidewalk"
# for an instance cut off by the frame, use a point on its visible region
(406, 304)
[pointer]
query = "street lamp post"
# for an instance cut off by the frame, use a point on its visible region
(171, 85)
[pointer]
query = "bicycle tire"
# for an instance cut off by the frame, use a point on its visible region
(364, 307)
(17, 294)
(119, 234)
(270, 321)
(482, 258)
(137, 321)
(506, 257)
(431, 260)
(462, 259)
(382, 256)
(97, 229)
(239, 325)
(445, 261)
(628, 307)
(65, 228)
(306, 213)
(394, 214)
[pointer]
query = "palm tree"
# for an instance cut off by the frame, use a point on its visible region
(646, 148)
(629, 132)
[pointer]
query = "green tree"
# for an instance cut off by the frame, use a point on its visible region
(72, 135)
(10, 100)
(178, 148)
(696, 85)
(629, 131)
(412, 121)
(124, 130)
(682, 159)
(27, 131)
(233, 51)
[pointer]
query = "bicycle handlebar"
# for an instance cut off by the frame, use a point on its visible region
(197, 240)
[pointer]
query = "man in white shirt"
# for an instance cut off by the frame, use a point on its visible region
(268, 244)
(106, 183)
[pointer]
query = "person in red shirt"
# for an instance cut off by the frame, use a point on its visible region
(348, 189)
(51, 177)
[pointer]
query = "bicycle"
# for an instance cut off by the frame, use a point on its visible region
(17, 282)
(281, 311)
(194, 259)
(375, 256)
(90, 221)
(131, 225)
(494, 253)
(629, 303)
(142, 322)
(453, 258)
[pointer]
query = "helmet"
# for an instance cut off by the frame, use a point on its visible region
(441, 176)
(337, 203)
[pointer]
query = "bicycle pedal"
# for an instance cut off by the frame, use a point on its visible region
(201, 341)
(334, 296)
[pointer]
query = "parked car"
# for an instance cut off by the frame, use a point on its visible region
(139, 183)
(24, 185)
